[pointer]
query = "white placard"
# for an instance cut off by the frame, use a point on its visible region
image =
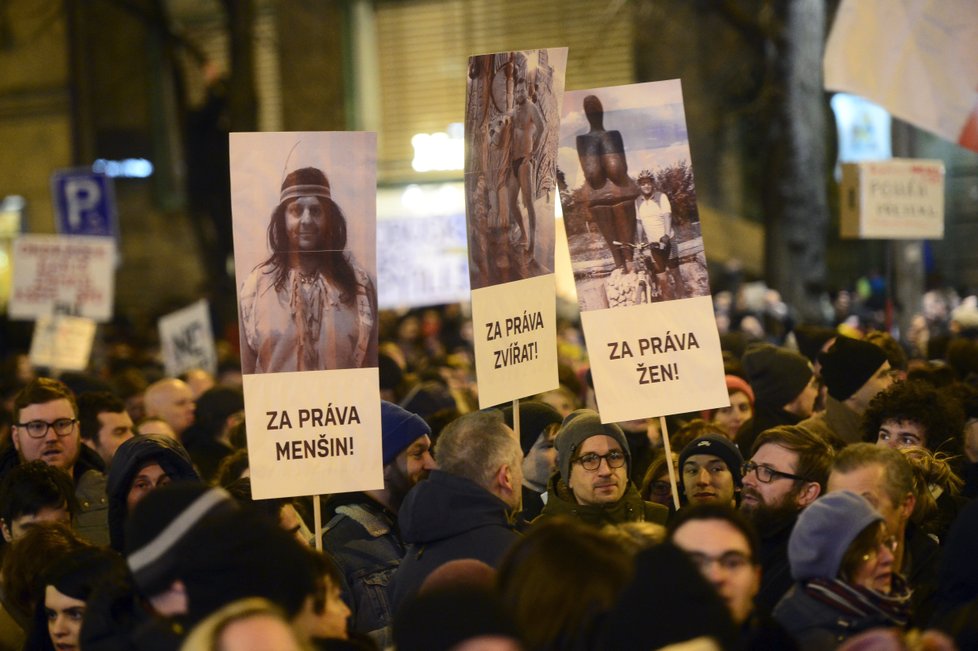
(313, 432)
(894, 199)
(62, 342)
(515, 329)
(655, 359)
(187, 340)
(63, 274)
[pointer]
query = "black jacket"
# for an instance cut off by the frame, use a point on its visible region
(445, 518)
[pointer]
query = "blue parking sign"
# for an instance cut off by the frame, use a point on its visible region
(84, 203)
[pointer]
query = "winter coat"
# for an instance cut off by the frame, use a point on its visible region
(445, 518)
(129, 459)
(629, 508)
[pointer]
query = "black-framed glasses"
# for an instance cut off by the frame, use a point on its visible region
(38, 429)
(766, 474)
(592, 461)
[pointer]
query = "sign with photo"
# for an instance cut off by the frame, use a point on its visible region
(304, 218)
(512, 126)
(636, 249)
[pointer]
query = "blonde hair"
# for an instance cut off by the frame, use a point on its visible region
(931, 471)
(206, 636)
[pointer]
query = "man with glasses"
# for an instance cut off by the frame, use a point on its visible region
(46, 428)
(724, 546)
(787, 471)
(592, 483)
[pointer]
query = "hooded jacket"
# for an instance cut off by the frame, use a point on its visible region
(629, 508)
(129, 459)
(445, 518)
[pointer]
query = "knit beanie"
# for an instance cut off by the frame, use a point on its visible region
(579, 426)
(399, 428)
(777, 375)
(160, 525)
(718, 446)
(535, 416)
(848, 364)
(823, 532)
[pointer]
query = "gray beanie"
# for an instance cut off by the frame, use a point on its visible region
(824, 531)
(579, 426)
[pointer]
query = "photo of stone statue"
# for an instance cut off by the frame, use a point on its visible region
(628, 196)
(309, 302)
(511, 129)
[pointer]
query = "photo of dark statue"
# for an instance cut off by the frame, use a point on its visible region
(610, 192)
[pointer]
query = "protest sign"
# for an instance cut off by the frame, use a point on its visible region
(304, 218)
(512, 119)
(313, 432)
(421, 246)
(63, 343)
(918, 59)
(63, 274)
(637, 253)
(187, 340)
(893, 199)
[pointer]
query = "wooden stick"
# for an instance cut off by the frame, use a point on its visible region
(317, 518)
(672, 470)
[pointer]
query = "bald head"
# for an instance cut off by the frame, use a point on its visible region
(173, 401)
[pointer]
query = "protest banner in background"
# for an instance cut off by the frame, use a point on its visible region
(512, 119)
(304, 217)
(421, 246)
(187, 340)
(62, 343)
(893, 199)
(63, 274)
(918, 59)
(637, 253)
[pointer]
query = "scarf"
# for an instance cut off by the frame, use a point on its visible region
(862, 602)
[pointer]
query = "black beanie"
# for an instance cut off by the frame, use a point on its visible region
(848, 364)
(777, 375)
(159, 527)
(535, 416)
(718, 446)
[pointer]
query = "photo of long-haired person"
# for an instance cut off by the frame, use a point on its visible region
(308, 305)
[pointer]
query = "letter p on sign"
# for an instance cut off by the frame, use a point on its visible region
(84, 202)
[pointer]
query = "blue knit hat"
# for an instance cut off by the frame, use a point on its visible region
(399, 428)
(824, 531)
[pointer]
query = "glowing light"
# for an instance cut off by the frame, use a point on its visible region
(442, 151)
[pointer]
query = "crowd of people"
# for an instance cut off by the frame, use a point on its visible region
(829, 506)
